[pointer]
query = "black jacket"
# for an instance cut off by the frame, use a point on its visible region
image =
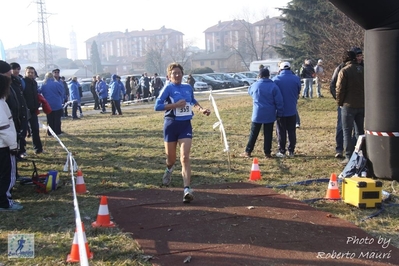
(30, 94)
(16, 103)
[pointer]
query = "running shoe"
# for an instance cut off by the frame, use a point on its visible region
(188, 195)
(167, 176)
(14, 207)
(280, 155)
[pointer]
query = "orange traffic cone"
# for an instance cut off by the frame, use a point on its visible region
(103, 218)
(332, 190)
(74, 256)
(255, 172)
(80, 183)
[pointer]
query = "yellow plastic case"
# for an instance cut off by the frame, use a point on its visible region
(362, 192)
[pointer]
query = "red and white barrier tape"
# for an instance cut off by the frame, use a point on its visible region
(382, 134)
(73, 167)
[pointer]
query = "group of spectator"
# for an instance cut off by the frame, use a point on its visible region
(274, 100)
(19, 103)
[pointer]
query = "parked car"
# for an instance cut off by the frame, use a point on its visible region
(230, 81)
(249, 74)
(198, 85)
(213, 84)
(247, 81)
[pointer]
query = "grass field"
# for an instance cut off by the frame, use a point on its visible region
(126, 152)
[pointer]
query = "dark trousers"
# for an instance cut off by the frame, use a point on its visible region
(267, 135)
(7, 177)
(146, 93)
(339, 134)
(74, 109)
(286, 125)
(96, 101)
(103, 102)
(22, 136)
(54, 121)
(350, 116)
(65, 112)
(156, 92)
(116, 106)
(34, 129)
(298, 119)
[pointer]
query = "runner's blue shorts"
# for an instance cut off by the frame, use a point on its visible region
(174, 130)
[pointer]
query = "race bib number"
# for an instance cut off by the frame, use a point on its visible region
(183, 111)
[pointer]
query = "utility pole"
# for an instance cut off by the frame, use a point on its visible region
(44, 46)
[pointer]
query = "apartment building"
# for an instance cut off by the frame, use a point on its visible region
(134, 44)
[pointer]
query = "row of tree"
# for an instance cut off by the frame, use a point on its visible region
(316, 29)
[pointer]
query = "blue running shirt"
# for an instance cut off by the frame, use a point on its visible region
(172, 93)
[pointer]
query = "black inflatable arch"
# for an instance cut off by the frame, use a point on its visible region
(380, 19)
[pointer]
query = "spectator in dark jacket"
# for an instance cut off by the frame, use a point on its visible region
(17, 88)
(31, 98)
(307, 73)
(94, 93)
(191, 81)
(350, 97)
(128, 89)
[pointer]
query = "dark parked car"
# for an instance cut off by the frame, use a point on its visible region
(229, 80)
(213, 84)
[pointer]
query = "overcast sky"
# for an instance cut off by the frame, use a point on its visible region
(88, 18)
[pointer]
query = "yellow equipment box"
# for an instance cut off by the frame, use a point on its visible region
(362, 192)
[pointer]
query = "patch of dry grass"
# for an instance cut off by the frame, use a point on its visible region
(126, 152)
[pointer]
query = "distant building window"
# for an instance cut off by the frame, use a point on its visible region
(202, 63)
(212, 63)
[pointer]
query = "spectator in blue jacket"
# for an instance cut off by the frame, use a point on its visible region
(54, 94)
(117, 90)
(290, 87)
(267, 105)
(102, 92)
(74, 96)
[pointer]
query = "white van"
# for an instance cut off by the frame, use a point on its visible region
(271, 64)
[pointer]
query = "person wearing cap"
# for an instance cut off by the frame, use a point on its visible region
(290, 87)
(350, 98)
(339, 137)
(8, 144)
(58, 78)
(319, 71)
(267, 107)
(359, 55)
